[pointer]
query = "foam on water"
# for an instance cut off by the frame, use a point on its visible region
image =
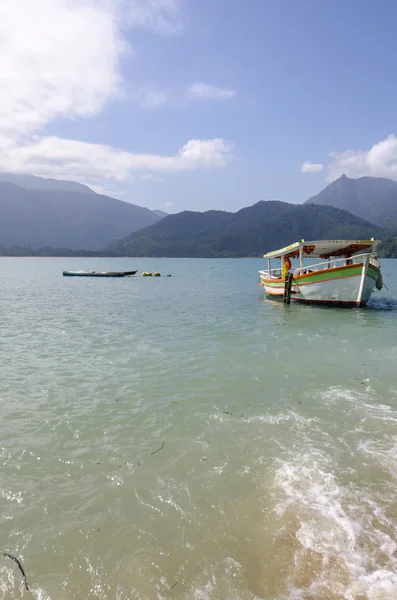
(384, 453)
(342, 515)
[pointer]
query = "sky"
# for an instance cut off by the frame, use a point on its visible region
(199, 104)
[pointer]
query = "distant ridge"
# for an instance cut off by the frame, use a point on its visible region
(250, 232)
(31, 182)
(371, 198)
(77, 219)
(160, 213)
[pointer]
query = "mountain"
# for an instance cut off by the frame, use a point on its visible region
(66, 219)
(31, 182)
(371, 198)
(48, 216)
(388, 248)
(160, 213)
(251, 231)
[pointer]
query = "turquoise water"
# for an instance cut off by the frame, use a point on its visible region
(276, 430)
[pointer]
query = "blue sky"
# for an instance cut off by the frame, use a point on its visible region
(251, 90)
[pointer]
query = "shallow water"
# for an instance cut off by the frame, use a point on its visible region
(278, 475)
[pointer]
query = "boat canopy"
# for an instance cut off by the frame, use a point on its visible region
(324, 248)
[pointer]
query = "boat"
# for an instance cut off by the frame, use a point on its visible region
(98, 273)
(346, 276)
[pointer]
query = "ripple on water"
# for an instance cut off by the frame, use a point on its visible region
(277, 479)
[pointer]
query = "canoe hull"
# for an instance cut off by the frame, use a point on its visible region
(93, 275)
(98, 274)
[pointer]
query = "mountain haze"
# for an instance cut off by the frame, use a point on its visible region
(160, 213)
(31, 182)
(249, 232)
(64, 218)
(371, 198)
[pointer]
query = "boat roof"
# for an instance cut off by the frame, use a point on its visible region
(324, 248)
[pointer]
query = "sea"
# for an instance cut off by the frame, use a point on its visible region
(186, 438)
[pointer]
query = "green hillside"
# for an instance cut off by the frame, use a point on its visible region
(249, 232)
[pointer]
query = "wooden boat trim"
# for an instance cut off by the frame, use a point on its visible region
(271, 280)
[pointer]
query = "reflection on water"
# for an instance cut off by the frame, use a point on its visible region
(383, 303)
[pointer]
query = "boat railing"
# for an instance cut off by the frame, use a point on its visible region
(272, 274)
(324, 264)
(334, 263)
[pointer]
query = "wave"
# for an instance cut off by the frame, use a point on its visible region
(337, 503)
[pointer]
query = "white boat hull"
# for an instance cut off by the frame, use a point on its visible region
(342, 291)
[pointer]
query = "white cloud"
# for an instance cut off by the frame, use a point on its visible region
(168, 204)
(204, 91)
(151, 97)
(72, 159)
(309, 167)
(59, 61)
(162, 16)
(63, 61)
(379, 161)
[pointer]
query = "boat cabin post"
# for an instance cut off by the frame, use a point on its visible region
(366, 258)
(268, 266)
(301, 264)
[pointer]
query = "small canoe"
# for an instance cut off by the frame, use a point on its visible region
(98, 273)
